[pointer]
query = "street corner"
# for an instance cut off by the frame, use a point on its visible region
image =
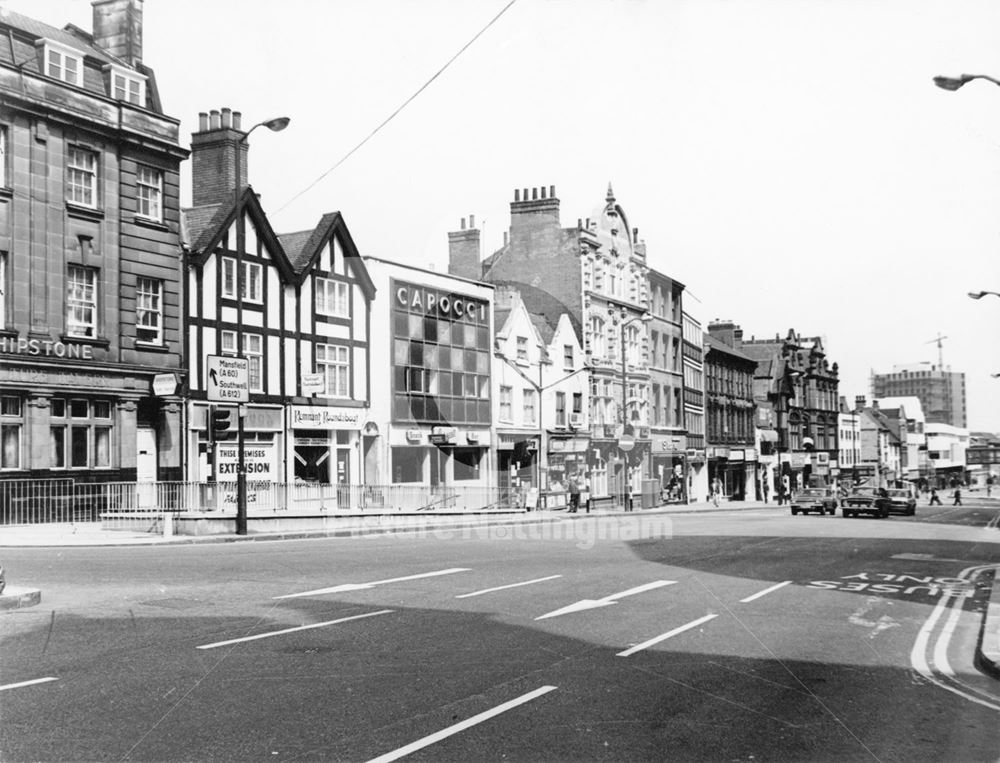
(18, 597)
(988, 649)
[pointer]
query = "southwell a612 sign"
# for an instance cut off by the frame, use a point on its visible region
(228, 379)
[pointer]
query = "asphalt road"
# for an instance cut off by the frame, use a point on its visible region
(730, 636)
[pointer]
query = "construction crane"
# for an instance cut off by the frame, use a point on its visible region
(938, 339)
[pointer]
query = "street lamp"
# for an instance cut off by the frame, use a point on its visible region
(954, 83)
(981, 294)
(274, 125)
(624, 324)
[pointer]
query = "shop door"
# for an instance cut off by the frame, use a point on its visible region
(145, 466)
(344, 478)
(439, 463)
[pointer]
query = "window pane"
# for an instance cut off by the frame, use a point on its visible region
(58, 440)
(102, 409)
(78, 444)
(57, 408)
(79, 409)
(102, 446)
(10, 439)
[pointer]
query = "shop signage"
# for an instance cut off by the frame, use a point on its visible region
(444, 304)
(798, 460)
(313, 384)
(260, 463)
(326, 417)
(472, 436)
(164, 384)
(735, 455)
(443, 435)
(46, 347)
(822, 459)
(750, 454)
(413, 435)
(228, 379)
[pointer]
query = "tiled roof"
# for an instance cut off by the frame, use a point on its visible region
(296, 247)
(199, 224)
(711, 343)
(542, 326)
(40, 29)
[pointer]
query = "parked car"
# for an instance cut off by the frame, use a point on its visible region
(901, 501)
(866, 500)
(821, 499)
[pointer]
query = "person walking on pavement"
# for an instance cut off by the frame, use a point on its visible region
(935, 500)
(574, 494)
(764, 488)
(716, 491)
(958, 497)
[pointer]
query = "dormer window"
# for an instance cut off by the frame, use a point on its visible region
(62, 62)
(126, 85)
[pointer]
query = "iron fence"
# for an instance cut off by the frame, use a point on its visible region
(66, 500)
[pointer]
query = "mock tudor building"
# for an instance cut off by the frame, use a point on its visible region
(90, 275)
(297, 306)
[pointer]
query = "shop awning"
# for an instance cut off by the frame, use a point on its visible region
(768, 435)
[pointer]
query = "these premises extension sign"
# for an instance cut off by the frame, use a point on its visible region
(228, 379)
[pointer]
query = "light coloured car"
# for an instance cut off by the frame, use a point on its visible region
(819, 499)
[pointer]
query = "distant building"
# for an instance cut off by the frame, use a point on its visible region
(797, 381)
(941, 392)
(90, 278)
(694, 406)
(983, 460)
(912, 438)
(946, 449)
(730, 412)
(848, 441)
(668, 429)
(595, 272)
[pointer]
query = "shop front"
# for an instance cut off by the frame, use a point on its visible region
(326, 444)
(439, 456)
(566, 459)
(65, 414)
(668, 466)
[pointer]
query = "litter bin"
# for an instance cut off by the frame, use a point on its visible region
(650, 494)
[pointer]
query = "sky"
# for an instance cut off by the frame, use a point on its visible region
(789, 161)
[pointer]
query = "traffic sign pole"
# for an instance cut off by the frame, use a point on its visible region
(241, 477)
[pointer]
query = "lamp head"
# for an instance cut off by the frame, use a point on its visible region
(977, 294)
(277, 124)
(951, 83)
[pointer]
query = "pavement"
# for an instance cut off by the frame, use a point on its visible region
(93, 534)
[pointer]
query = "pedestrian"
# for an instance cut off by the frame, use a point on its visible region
(764, 488)
(585, 492)
(935, 501)
(958, 497)
(574, 495)
(716, 491)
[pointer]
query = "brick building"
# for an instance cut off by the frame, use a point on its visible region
(90, 279)
(596, 273)
(730, 412)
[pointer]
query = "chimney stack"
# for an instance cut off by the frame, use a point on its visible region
(533, 215)
(463, 251)
(860, 402)
(118, 28)
(214, 150)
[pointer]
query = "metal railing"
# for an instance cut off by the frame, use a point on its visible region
(65, 500)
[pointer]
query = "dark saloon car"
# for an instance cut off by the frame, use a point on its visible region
(901, 501)
(819, 499)
(866, 500)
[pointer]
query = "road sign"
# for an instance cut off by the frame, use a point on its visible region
(228, 379)
(626, 442)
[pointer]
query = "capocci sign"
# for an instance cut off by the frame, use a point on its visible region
(440, 304)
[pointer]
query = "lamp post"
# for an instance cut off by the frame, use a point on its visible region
(274, 125)
(623, 324)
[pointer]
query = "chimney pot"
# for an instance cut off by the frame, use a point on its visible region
(472, 221)
(517, 194)
(237, 120)
(525, 194)
(462, 224)
(579, 223)
(202, 121)
(534, 194)
(505, 238)
(213, 119)
(552, 191)
(227, 117)
(543, 191)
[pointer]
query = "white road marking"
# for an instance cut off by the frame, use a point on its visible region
(505, 587)
(606, 601)
(941, 648)
(918, 655)
(765, 592)
(927, 558)
(665, 636)
(468, 723)
(28, 683)
(293, 630)
(362, 586)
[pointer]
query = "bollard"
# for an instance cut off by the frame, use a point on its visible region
(168, 525)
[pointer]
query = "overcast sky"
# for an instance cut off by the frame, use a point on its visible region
(790, 161)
